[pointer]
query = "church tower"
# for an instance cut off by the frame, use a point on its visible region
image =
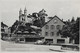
(25, 14)
(20, 13)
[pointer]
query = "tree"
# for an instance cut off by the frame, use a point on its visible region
(39, 18)
(21, 28)
(71, 30)
(73, 20)
(37, 23)
(42, 15)
(65, 32)
(14, 26)
(76, 30)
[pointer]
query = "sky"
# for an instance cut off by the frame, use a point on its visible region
(64, 9)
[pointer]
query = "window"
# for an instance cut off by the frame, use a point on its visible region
(49, 40)
(58, 27)
(2, 30)
(21, 39)
(63, 26)
(46, 33)
(55, 21)
(57, 33)
(60, 40)
(52, 26)
(47, 27)
(22, 19)
(52, 33)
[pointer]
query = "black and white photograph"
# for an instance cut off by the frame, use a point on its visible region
(40, 25)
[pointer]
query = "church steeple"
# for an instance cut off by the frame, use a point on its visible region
(20, 12)
(25, 11)
(25, 14)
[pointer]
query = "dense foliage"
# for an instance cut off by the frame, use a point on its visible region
(71, 29)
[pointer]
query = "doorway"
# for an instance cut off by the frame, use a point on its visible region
(49, 40)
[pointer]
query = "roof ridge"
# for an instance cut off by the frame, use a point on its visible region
(52, 19)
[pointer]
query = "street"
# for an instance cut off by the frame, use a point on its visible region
(10, 46)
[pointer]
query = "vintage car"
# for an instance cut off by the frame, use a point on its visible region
(39, 42)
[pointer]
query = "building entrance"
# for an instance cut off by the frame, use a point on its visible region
(49, 40)
(31, 39)
(60, 40)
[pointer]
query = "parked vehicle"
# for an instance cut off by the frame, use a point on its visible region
(39, 42)
(45, 43)
(49, 43)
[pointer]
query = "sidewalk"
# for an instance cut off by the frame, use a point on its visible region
(64, 50)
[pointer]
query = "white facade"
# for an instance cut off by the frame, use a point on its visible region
(50, 31)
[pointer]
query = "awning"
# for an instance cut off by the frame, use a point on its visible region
(19, 32)
(35, 27)
(31, 36)
(33, 32)
(25, 32)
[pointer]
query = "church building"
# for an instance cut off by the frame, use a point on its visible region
(25, 30)
(23, 17)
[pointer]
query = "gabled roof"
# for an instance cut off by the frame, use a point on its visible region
(3, 25)
(52, 19)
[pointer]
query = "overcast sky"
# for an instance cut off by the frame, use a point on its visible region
(65, 9)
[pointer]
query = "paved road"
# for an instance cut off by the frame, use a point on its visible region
(10, 46)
